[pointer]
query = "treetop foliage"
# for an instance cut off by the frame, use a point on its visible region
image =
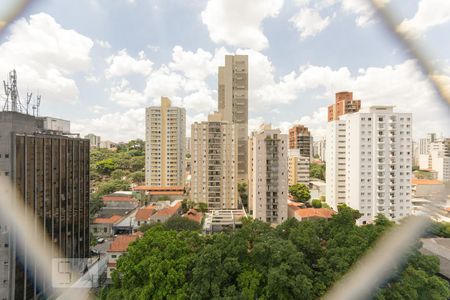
(296, 260)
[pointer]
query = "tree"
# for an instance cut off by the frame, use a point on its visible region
(300, 192)
(317, 171)
(243, 193)
(118, 174)
(137, 163)
(202, 207)
(106, 166)
(137, 177)
(112, 186)
(179, 224)
(316, 203)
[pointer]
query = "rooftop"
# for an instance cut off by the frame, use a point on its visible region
(121, 243)
(110, 220)
(425, 181)
(194, 215)
(169, 211)
(315, 213)
(143, 214)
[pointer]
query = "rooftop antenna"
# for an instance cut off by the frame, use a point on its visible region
(29, 95)
(12, 93)
(36, 106)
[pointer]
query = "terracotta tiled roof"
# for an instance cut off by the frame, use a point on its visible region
(112, 264)
(121, 243)
(315, 213)
(159, 188)
(143, 214)
(194, 215)
(169, 211)
(110, 220)
(117, 198)
(296, 204)
(425, 181)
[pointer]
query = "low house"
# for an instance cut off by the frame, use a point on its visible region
(317, 189)
(194, 215)
(143, 215)
(118, 247)
(164, 214)
(426, 188)
(293, 206)
(103, 227)
(223, 219)
(122, 199)
(313, 213)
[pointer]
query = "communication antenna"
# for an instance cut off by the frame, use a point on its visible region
(29, 95)
(36, 106)
(12, 93)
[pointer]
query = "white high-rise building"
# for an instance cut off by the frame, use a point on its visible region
(268, 176)
(336, 163)
(370, 155)
(319, 149)
(437, 159)
(214, 163)
(165, 145)
(94, 140)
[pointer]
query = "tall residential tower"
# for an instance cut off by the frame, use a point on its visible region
(268, 176)
(233, 103)
(165, 145)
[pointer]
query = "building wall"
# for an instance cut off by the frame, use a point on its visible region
(52, 174)
(269, 175)
(233, 104)
(344, 104)
(298, 167)
(214, 163)
(336, 163)
(379, 162)
(165, 145)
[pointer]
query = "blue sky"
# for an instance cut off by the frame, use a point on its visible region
(99, 63)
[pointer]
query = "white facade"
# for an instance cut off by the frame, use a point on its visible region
(268, 176)
(378, 162)
(437, 159)
(336, 163)
(319, 149)
(55, 124)
(165, 145)
(214, 166)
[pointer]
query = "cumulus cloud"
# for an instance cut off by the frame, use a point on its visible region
(430, 13)
(116, 126)
(124, 95)
(122, 64)
(45, 56)
(239, 23)
(308, 22)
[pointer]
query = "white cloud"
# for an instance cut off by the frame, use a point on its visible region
(103, 44)
(430, 13)
(309, 22)
(239, 23)
(124, 95)
(96, 109)
(163, 82)
(92, 78)
(121, 64)
(194, 65)
(117, 126)
(45, 56)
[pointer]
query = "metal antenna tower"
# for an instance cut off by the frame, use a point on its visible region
(12, 93)
(29, 95)
(36, 106)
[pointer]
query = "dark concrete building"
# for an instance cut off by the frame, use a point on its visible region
(50, 170)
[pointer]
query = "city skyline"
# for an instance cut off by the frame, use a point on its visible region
(110, 81)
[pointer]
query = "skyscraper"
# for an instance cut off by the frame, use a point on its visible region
(344, 104)
(165, 145)
(50, 170)
(268, 176)
(233, 103)
(214, 163)
(371, 168)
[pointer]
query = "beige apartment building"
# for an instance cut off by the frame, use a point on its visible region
(233, 104)
(268, 174)
(214, 163)
(165, 145)
(298, 167)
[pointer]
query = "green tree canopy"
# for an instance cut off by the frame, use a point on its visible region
(300, 192)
